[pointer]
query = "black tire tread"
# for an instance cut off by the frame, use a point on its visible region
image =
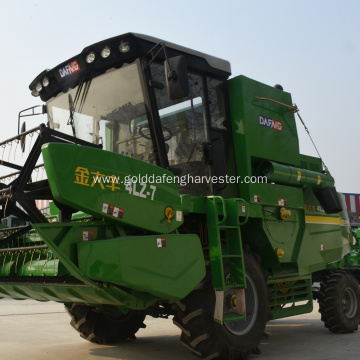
(203, 336)
(329, 299)
(97, 328)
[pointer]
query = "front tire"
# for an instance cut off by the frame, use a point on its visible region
(339, 306)
(104, 328)
(210, 340)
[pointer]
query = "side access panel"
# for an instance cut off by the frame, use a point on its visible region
(167, 266)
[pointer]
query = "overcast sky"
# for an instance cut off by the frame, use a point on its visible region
(310, 47)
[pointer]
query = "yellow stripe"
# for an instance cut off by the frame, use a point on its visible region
(323, 220)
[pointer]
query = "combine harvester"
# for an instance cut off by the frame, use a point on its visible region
(195, 203)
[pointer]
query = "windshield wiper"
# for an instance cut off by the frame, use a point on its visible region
(71, 117)
(83, 92)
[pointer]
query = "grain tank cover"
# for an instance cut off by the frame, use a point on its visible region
(263, 129)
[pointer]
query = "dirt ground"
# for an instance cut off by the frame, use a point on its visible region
(33, 330)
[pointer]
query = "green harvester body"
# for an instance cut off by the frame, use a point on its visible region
(141, 243)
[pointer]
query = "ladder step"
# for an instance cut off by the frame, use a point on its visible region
(233, 316)
(234, 286)
(228, 227)
(223, 225)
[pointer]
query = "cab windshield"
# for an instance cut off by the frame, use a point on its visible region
(108, 110)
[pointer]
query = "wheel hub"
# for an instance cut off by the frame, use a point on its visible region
(349, 303)
(242, 327)
(233, 302)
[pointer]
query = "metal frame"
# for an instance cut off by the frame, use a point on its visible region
(22, 190)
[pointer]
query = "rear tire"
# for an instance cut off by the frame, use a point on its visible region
(339, 306)
(104, 328)
(210, 340)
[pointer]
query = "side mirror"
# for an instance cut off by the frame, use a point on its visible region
(177, 79)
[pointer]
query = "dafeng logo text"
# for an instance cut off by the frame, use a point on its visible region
(270, 123)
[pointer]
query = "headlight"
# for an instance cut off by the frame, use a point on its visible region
(105, 52)
(34, 92)
(90, 58)
(124, 47)
(45, 82)
(38, 87)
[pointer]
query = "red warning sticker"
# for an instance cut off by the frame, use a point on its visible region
(118, 213)
(112, 211)
(282, 202)
(161, 242)
(88, 236)
(107, 209)
(243, 209)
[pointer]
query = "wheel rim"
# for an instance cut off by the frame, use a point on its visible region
(242, 327)
(118, 318)
(349, 303)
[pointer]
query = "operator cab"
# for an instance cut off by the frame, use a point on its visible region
(132, 95)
